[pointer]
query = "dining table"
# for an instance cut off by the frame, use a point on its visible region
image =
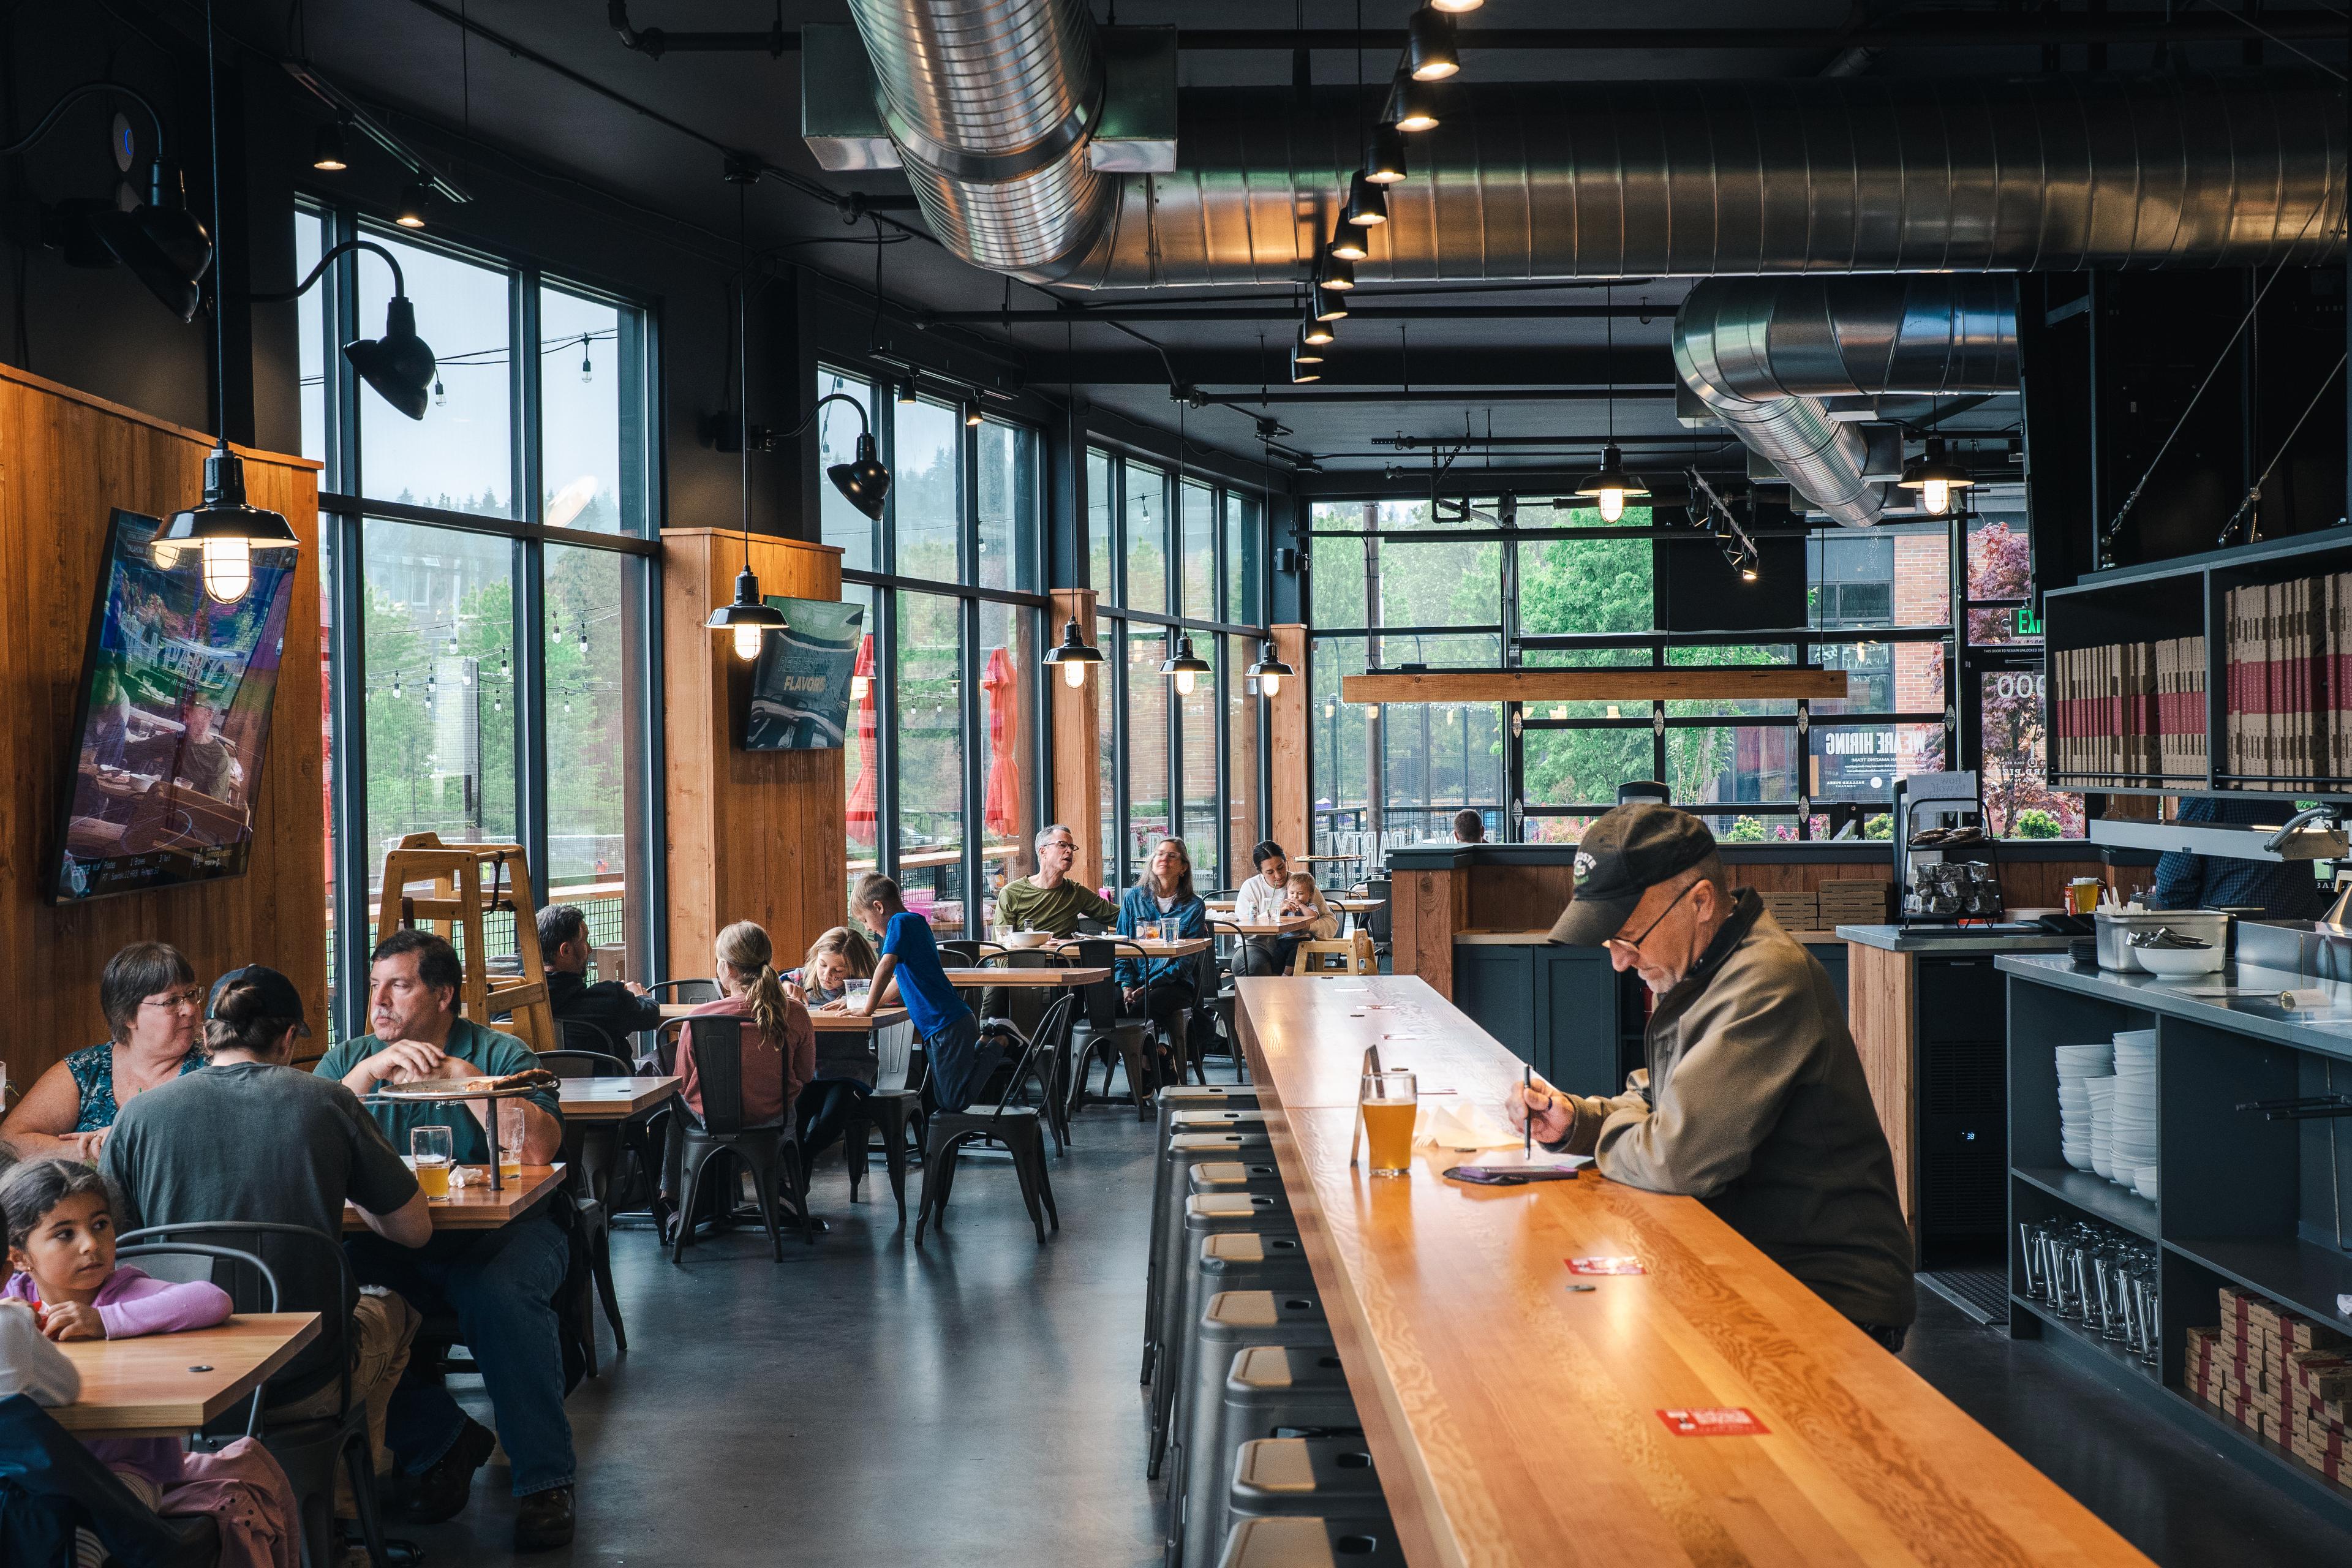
(833, 1018)
(1581, 1372)
(1152, 946)
(168, 1386)
(477, 1206)
(596, 1099)
(1052, 976)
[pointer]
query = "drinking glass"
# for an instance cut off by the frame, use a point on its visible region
(854, 992)
(1387, 1102)
(510, 1136)
(2029, 1237)
(432, 1150)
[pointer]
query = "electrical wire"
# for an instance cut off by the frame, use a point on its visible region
(2254, 490)
(2245, 21)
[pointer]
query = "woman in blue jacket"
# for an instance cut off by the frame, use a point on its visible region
(1162, 988)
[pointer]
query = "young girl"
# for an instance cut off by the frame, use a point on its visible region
(60, 1229)
(1301, 895)
(835, 959)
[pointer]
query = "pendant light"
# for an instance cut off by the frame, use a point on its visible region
(1368, 203)
(1457, 6)
(1935, 476)
(1074, 654)
(1268, 671)
(1384, 154)
(224, 528)
(1333, 270)
(1314, 333)
(1411, 107)
(750, 617)
(410, 213)
(1610, 489)
(1303, 364)
(1429, 53)
(328, 154)
(1328, 304)
(1347, 245)
(1185, 666)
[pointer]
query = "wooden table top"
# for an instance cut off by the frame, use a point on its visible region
(1053, 975)
(152, 1387)
(1345, 904)
(824, 1018)
(612, 1099)
(1182, 947)
(1288, 926)
(1515, 1422)
(475, 1206)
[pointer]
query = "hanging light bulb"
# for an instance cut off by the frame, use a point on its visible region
(1368, 203)
(748, 638)
(587, 365)
(1333, 270)
(1314, 333)
(440, 394)
(857, 687)
(224, 528)
(1268, 670)
(1074, 655)
(1429, 52)
(1610, 489)
(1384, 154)
(396, 686)
(1327, 305)
(1934, 476)
(502, 667)
(1410, 106)
(1185, 666)
(1303, 360)
(228, 569)
(1372, 709)
(1330, 709)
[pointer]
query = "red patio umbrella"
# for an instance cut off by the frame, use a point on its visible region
(1001, 800)
(862, 794)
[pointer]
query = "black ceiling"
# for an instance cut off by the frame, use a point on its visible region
(539, 101)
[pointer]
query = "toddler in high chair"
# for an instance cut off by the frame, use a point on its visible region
(1301, 895)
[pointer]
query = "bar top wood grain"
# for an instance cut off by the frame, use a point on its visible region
(151, 1387)
(1514, 1422)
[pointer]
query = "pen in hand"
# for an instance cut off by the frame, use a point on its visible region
(1526, 1103)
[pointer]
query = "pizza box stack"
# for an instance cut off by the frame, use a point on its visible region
(1853, 901)
(1794, 911)
(2279, 1375)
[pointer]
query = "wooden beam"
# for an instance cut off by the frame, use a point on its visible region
(1697, 683)
(1286, 721)
(1079, 789)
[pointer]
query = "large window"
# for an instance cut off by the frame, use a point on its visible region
(487, 579)
(948, 747)
(1392, 591)
(1182, 762)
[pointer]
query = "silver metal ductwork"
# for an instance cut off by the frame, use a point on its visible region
(990, 104)
(1762, 353)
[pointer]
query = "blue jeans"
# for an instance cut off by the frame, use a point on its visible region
(501, 1285)
(960, 1063)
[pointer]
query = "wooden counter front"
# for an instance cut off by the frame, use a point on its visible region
(1514, 1422)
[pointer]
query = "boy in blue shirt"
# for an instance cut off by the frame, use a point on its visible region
(961, 1060)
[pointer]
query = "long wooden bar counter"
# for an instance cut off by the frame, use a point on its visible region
(1513, 1421)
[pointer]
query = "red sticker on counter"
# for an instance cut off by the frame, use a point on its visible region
(1720, 1422)
(1606, 1266)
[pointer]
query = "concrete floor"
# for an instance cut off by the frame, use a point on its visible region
(869, 1402)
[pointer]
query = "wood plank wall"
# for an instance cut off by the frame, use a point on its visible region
(1287, 720)
(1078, 788)
(755, 836)
(67, 460)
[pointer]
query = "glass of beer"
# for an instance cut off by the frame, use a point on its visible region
(432, 1151)
(1387, 1101)
(510, 1136)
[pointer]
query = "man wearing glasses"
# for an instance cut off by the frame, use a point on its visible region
(1754, 1100)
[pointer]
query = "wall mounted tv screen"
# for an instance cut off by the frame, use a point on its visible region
(172, 721)
(800, 687)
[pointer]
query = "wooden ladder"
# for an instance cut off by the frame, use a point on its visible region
(454, 908)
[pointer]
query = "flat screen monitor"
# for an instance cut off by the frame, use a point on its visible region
(800, 687)
(171, 722)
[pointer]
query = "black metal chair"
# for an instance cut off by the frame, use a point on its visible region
(684, 993)
(593, 1156)
(581, 1035)
(772, 1154)
(1014, 1127)
(1105, 1033)
(291, 1268)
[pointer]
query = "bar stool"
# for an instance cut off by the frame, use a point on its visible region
(1171, 1189)
(1310, 1543)
(1305, 1477)
(1205, 1214)
(1233, 1322)
(1222, 1261)
(1270, 1391)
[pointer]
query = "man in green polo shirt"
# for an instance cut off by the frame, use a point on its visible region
(1048, 899)
(501, 1283)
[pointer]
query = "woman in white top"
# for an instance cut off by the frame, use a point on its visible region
(1259, 901)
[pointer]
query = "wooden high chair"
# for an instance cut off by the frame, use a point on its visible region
(1336, 955)
(454, 908)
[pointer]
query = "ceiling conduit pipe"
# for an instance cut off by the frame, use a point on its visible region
(1761, 352)
(990, 104)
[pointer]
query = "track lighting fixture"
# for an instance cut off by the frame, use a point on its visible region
(1384, 154)
(329, 153)
(410, 214)
(1074, 654)
(1368, 203)
(1429, 52)
(1411, 107)
(971, 411)
(905, 391)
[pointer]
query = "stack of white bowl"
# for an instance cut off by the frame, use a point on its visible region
(2078, 1067)
(2133, 1149)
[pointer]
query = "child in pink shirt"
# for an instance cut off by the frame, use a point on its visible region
(60, 1231)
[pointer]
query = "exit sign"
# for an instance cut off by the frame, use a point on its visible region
(2029, 625)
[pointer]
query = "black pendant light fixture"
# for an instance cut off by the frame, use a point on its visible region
(161, 241)
(1328, 304)
(1384, 154)
(224, 528)
(1185, 667)
(1348, 243)
(1368, 203)
(1304, 363)
(749, 618)
(399, 365)
(329, 153)
(1429, 52)
(410, 213)
(1333, 270)
(1935, 476)
(1411, 107)
(1074, 654)
(1610, 489)
(1269, 672)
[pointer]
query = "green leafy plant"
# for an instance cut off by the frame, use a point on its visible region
(2035, 823)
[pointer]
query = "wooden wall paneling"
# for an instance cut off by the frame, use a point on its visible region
(1426, 909)
(756, 836)
(1879, 1013)
(1517, 898)
(67, 460)
(1287, 820)
(1079, 787)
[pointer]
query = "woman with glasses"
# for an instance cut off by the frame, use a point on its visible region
(155, 1011)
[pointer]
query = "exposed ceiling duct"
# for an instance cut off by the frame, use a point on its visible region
(1762, 352)
(991, 104)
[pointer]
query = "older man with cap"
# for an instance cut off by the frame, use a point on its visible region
(1754, 1100)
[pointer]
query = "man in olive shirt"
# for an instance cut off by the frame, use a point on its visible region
(207, 758)
(1754, 1101)
(1048, 899)
(501, 1283)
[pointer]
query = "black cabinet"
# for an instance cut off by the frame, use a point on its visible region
(1559, 1008)
(1960, 1069)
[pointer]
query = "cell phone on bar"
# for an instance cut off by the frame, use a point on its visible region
(1509, 1175)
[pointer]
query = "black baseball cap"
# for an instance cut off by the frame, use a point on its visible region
(278, 997)
(1624, 854)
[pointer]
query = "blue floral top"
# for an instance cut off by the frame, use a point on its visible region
(93, 1074)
